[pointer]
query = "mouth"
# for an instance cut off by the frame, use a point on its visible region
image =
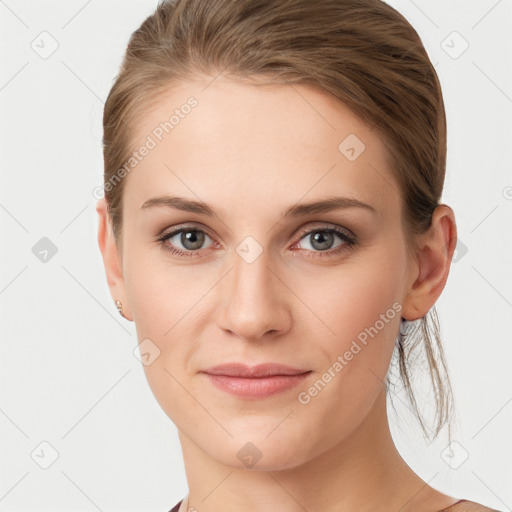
(255, 382)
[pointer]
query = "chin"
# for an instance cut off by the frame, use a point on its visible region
(258, 450)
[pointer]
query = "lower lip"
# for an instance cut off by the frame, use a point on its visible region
(255, 388)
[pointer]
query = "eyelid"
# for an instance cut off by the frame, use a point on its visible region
(350, 237)
(303, 231)
(326, 226)
(181, 227)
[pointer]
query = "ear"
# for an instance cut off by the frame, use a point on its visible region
(430, 271)
(111, 258)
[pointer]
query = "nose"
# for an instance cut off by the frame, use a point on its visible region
(254, 300)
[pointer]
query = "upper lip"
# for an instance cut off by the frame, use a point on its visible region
(260, 370)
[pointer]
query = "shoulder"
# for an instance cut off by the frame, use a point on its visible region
(468, 506)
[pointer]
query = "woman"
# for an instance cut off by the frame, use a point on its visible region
(272, 225)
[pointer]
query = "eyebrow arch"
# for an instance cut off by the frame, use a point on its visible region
(326, 205)
(299, 210)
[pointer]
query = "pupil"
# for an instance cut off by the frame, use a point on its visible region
(192, 239)
(322, 242)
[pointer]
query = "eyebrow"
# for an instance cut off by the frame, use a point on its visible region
(299, 210)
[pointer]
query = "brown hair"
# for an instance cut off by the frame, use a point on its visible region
(363, 52)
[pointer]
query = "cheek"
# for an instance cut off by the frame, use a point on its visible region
(168, 311)
(360, 305)
(160, 293)
(162, 302)
(355, 300)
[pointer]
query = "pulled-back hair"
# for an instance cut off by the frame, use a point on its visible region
(363, 52)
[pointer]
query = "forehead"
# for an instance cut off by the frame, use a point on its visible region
(228, 140)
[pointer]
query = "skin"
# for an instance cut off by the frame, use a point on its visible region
(251, 152)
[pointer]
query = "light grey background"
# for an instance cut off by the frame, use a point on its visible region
(68, 375)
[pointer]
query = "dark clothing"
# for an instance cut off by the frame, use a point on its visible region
(454, 508)
(176, 507)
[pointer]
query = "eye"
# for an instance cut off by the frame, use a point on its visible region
(185, 241)
(322, 240)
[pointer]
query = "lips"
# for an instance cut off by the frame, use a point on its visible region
(258, 371)
(255, 382)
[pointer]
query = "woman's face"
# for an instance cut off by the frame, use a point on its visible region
(252, 284)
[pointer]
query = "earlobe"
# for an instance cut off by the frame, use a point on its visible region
(437, 247)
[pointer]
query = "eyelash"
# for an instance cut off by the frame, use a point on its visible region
(349, 241)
